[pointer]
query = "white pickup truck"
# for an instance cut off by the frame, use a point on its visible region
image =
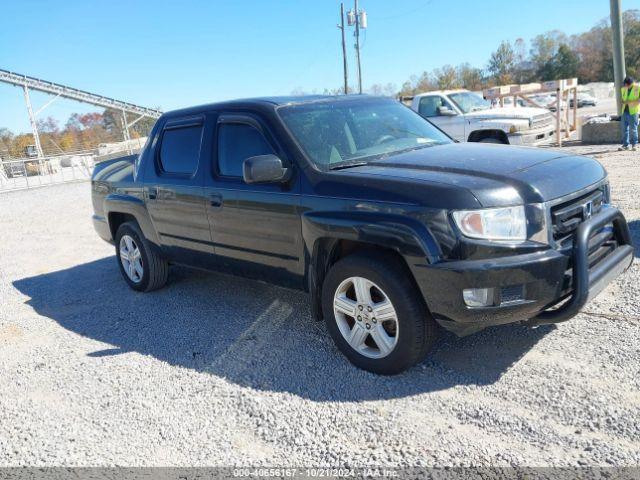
(467, 117)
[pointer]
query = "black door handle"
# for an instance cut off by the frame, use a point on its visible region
(153, 193)
(215, 200)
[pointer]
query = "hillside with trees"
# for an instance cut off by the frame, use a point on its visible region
(81, 132)
(549, 56)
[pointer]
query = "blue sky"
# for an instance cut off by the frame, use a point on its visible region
(171, 54)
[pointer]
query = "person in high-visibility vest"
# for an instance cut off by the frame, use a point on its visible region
(629, 117)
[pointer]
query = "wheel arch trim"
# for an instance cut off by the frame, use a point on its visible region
(479, 134)
(133, 206)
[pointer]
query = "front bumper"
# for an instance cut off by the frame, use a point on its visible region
(538, 136)
(540, 278)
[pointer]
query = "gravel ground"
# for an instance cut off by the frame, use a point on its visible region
(217, 370)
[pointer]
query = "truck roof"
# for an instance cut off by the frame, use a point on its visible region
(441, 92)
(274, 101)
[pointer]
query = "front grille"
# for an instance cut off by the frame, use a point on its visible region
(511, 294)
(541, 120)
(600, 245)
(567, 216)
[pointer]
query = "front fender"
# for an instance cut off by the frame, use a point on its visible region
(406, 236)
(134, 206)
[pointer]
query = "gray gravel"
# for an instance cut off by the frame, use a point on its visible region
(217, 370)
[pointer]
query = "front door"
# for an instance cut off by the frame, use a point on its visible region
(174, 191)
(255, 227)
(432, 107)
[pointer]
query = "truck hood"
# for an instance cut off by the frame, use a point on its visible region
(522, 113)
(497, 175)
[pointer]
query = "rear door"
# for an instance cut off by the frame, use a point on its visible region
(174, 190)
(255, 227)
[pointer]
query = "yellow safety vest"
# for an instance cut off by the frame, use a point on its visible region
(631, 98)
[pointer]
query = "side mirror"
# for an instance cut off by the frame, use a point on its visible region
(264, 169)
(446, 112)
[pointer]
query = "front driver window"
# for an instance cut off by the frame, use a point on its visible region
(429, 106)
(236, 143)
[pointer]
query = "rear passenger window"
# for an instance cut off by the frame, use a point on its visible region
(236, 143)
(180, 149)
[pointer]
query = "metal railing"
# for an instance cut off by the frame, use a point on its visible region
(38, 172)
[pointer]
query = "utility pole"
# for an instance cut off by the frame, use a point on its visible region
(618, 49)
(344, 50)
(355, 7)
(357, 18)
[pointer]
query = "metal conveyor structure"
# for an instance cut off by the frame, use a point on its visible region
(30, 83)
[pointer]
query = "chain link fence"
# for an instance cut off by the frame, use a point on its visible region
(27, 173)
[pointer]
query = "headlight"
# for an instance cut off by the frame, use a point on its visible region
(507, 223)
(513, 129)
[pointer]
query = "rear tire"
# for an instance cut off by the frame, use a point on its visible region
(140, 262)
(404, 332)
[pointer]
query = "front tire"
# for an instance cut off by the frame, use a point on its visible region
(375, 314)
(141, 265)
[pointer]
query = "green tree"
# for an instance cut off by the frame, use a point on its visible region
(502, 63)
(545, 46)
(631, 20)
(565, 62)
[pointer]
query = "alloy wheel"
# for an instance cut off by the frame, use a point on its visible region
(131, 259)
(366, 317)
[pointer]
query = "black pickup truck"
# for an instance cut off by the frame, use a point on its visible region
(392, 227)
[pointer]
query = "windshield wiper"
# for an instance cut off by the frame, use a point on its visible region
(409, 149)
(340, 166)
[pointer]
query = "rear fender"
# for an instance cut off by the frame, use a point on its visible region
(134, 206)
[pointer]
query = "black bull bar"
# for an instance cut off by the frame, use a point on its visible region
(587, 283)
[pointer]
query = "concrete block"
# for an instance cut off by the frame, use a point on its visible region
(609, 132)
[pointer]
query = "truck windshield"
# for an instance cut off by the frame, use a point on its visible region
(469, 102)
(339, 133)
